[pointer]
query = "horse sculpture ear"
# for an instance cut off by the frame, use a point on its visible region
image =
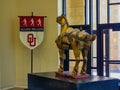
(81, 29)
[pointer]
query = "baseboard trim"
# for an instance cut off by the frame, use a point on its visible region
(21, 85)
(13, 87)
(7, 88)
(17, 85)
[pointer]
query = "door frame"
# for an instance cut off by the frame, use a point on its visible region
(100, 57)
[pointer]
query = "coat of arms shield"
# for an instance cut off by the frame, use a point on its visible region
(31, 30)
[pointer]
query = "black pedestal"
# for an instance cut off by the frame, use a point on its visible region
(49, 81)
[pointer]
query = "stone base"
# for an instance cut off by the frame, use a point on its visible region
(49, 81)
(68, 74)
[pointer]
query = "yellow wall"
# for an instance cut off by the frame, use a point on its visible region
(7, 49)
(14, 56)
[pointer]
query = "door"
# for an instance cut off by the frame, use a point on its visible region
(108, 54)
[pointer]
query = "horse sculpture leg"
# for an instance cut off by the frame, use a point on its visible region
(62, 57)
(84, 67)
(78, 55)
(75, 69)
(85, 53)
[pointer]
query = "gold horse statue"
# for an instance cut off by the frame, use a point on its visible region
(77, 40)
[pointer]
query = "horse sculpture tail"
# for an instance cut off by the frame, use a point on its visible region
(91, 37)
(86, 36)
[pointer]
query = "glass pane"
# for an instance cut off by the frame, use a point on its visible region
(114, 13)
(103, 11)
(71, 54)
(94, 48)
(94, 63)
(115, 70)
(114, 1)
(87, 11)
(114, 45)
(94, 60)
(94, 14)
(75, 12)
(71, 65)
(94, 72)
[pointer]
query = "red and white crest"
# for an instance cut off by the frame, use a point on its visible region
(31, 30)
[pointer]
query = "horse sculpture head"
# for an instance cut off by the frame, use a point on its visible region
(61, 20)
